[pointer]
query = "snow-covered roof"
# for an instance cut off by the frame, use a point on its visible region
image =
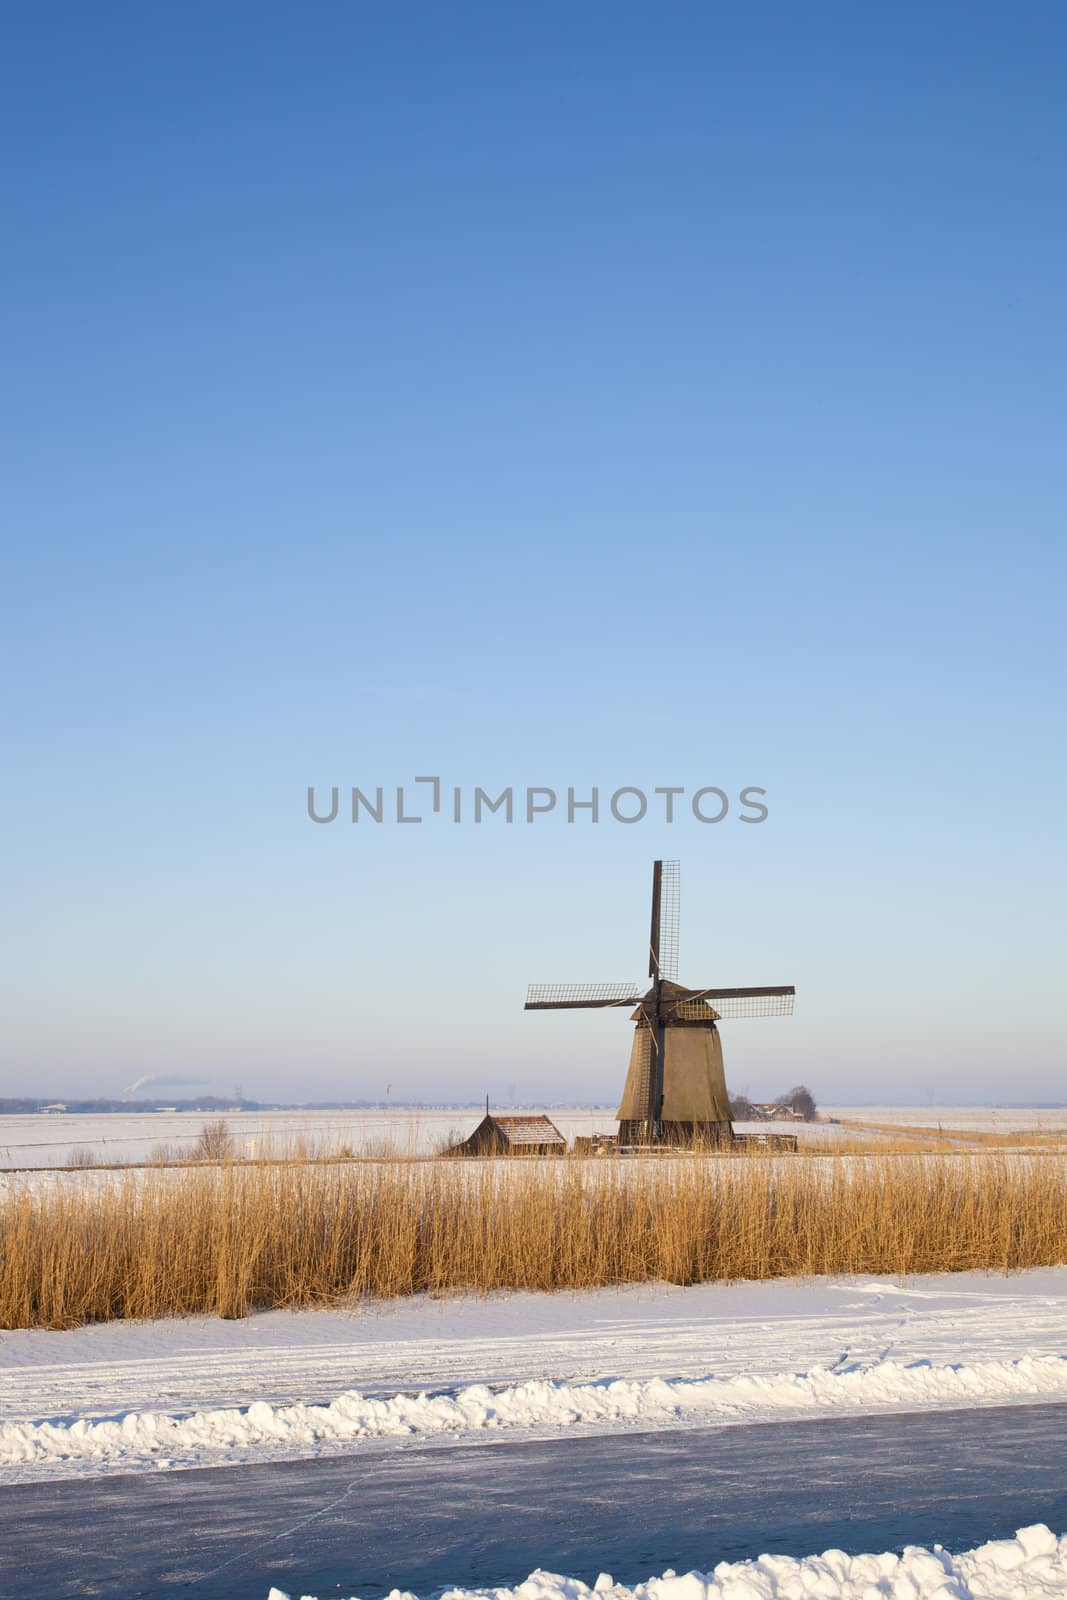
(528, 1130)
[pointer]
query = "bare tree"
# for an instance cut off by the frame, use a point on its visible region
(214, 1142)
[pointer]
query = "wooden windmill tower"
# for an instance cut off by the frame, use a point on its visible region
(675, 1089)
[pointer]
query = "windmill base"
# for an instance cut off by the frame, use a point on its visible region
(690, 1135)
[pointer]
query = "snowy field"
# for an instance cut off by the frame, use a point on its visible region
(57, 1140)
(134, 1397)
(1032, 1564)
(968, 1119)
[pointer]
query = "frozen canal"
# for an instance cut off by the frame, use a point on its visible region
(630, 1503)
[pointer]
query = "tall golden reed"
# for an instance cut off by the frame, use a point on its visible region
(230, 1239)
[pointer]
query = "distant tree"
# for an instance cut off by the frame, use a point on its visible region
(742, 1109)
(801, 1100)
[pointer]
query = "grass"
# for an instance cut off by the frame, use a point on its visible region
(898, 1135)
(231, 1238)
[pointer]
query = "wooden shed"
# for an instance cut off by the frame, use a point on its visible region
(512, 1136)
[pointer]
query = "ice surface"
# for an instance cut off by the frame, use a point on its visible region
(1033, 1564)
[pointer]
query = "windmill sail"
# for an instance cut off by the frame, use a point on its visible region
(580, 996)
(777, 1001)
(663, 935)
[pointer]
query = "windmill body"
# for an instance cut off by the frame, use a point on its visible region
(693, 1103)
(675, 1090)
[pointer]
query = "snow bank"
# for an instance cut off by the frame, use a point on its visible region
(170, 1439)
(1034, 1563)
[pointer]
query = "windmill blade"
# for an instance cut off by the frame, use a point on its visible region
(770, 1005)
(580, 996)
(669, 909)
(653, 936)
(663, 936)
(775, 1000)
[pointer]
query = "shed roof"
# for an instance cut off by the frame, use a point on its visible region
(528, 1130)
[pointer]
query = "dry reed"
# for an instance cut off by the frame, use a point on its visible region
(914, 1136)
(233, 1238)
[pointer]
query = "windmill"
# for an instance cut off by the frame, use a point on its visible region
(675, 1089)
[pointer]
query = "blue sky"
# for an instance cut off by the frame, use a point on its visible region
(560, 395)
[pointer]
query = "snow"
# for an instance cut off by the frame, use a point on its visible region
(122, 1396)
(1032, 1564)
(967, 1119)
(141, 1438)
(56, 1139)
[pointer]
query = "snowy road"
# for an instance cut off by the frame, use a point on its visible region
(631, 1503)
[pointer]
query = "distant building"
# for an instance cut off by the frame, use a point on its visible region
(775, 1111)
(512, 1136)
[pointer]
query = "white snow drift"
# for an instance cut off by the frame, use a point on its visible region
(163, 1439)
(1031, 1565)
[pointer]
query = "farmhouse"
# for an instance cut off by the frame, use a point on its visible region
(775, 1111)
(512, 1136)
